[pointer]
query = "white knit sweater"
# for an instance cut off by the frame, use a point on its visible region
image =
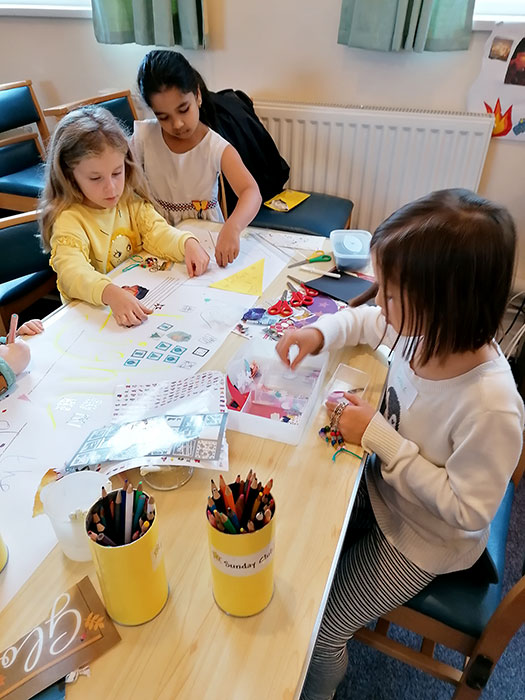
(447, 448)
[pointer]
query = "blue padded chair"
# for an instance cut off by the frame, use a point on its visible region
(21, 157)
(119, 104)
(318, 215)
(25, 275)
(464, 611)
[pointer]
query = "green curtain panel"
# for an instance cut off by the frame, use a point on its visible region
(406, 25)
(150, 22)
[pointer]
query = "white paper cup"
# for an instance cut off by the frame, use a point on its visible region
(66, 503)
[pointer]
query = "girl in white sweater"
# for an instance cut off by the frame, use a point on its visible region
(450, 433)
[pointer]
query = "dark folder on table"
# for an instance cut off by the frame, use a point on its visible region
(343, 289)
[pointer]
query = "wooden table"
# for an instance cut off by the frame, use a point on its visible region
(192, 650)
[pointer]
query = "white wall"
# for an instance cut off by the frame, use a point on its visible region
(271, 49)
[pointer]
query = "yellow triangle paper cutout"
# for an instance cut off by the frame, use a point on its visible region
(246, 281)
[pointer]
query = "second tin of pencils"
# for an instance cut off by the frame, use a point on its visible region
(242, 569)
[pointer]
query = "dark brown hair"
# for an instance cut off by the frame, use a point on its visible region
(162, 69)
(451, 253)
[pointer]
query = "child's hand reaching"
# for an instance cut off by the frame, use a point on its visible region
(33, 327)
(196, 258)
(354, 419)
(127, 309)
(228, 245)
(17, 355)
(308, 340)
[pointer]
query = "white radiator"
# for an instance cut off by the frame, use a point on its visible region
(379, 158)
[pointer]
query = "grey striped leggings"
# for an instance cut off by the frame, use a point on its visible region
(371, 579)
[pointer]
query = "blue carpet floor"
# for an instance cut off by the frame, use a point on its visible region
(374, 676)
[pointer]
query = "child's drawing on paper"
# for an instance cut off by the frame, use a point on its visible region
(137, 291)
(500, 87)
(516, 71)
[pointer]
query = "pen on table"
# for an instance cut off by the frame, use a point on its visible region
(319, 271)
(12, 328)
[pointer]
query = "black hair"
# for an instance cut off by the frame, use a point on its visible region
(162, 69)
(451, 254)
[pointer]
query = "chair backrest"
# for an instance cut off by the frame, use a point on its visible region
(120, 104)
(19, 107)
(20, 241)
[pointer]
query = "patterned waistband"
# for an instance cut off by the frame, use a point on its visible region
(196, 204)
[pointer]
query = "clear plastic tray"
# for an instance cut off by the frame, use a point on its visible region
(346, 378)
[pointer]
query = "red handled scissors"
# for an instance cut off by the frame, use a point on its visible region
(306, 290)
(282, 307)
(299, 298)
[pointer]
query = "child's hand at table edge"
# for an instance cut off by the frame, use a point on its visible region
(32, 327)
(196, 257)
(17, 355)
(228, 245)
(354, 419)
(127, 309)
(308, 340)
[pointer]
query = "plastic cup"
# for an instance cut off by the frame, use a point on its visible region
(3, 554)
(66, 503)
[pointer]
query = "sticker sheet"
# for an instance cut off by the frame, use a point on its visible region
(192, 436)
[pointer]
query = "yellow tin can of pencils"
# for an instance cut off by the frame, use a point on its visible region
(3, 553)
(242, 569)
(132, 576)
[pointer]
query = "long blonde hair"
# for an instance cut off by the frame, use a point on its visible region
(83, 133)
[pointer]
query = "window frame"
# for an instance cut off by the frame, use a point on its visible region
(61, 9)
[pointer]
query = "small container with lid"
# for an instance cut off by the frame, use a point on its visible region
(351, 248)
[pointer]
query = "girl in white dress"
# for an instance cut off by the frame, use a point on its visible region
(182, 157)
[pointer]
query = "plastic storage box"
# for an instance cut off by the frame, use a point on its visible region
(276, 394)
(351, 249)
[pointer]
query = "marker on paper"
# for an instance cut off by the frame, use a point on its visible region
(12, 328)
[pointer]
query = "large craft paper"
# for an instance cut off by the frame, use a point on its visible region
(500, 87)
(77, 631)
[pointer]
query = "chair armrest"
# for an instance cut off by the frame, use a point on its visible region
(60, 110)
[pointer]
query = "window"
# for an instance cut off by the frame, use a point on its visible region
(46, 8)
(488, 12)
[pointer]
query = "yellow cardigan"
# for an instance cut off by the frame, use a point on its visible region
(87, 243)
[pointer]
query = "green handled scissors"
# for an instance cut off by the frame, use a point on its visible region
(137, 261)
(318, 256)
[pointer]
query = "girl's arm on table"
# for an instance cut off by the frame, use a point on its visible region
(78, 279)
(247, 191)
(362, 325)
(165, 241)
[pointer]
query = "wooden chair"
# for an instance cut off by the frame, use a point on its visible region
(463, 612)
(119, 104)
(25, 275)
(21, 156)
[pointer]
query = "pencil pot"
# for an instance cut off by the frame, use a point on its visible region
(132, 576)
(3, 553)
(242, 569)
